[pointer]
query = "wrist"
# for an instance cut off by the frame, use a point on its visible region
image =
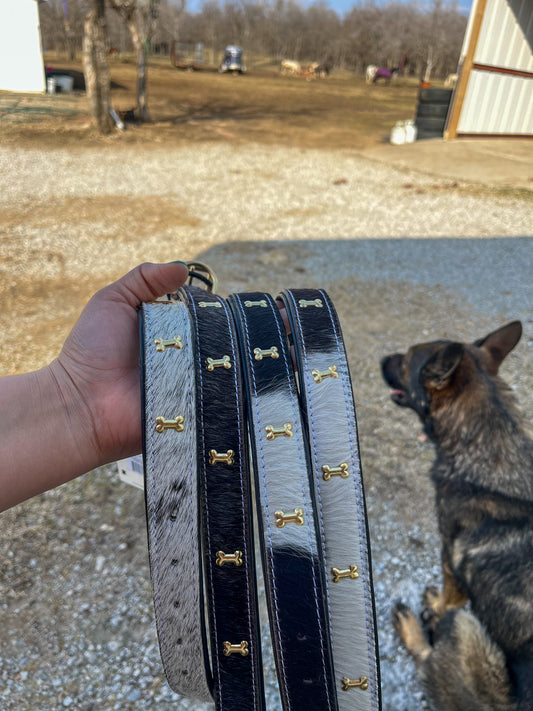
(72, 419)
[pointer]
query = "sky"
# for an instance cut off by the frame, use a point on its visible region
(342, 6)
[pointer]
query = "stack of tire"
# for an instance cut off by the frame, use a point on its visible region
(431, 112)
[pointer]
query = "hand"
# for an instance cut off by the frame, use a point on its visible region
(100, 359)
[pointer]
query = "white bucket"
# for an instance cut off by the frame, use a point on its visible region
(51, 85)
(410, 132)
(397, 135)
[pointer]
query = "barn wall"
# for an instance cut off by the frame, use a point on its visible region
(499, 94)
(21, 60)
(497, 103)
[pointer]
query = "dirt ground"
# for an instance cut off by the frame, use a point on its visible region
(262, 106)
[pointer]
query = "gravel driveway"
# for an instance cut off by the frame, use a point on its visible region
(404, 256)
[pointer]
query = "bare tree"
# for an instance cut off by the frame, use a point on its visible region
(139, 16)
(95, 65)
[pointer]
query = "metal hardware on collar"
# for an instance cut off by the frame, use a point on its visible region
(341, 471)
(161, 344)
(313, 302)
(348, 684)
(235, 558)
(207, 304)
(200, 271)
(297, 517)
(241, 649)
(224, 458)
(259, 354)
(273, 432)
(320, 375)
(262, 303)
(223, 362)
(176, 424)
(350, 573)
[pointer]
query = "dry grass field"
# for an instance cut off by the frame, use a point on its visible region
(340, 112)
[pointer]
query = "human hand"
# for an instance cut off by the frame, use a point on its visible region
(98, 367)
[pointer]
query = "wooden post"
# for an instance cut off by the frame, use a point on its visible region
(464, 75)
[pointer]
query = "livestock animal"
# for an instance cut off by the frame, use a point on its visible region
(290, 67)
(374, 72)
(370, 73)
(450, 81)
(321, 70)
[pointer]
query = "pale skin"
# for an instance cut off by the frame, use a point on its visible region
(82, 410)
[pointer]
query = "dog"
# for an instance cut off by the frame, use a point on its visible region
(478, 659)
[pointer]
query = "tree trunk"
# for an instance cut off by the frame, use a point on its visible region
(95, 66)
(134, 24)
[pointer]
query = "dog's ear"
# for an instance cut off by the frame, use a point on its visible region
(499, 343)
(441, 366)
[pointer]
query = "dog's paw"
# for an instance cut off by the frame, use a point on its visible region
(433, 607)
(409, 631)
(432, 610)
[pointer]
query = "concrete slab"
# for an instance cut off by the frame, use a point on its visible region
(500, 162)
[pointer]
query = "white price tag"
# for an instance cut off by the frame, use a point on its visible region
(130, 470)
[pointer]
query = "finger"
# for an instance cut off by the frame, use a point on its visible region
(149, 281)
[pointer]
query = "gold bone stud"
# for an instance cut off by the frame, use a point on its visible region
(350, 573)
(268, 353)
(315, 302)
(319, 375)
(297, 517)
(161, 424)
(223, 362)
(241, 649)
(348, 684)
(273, 432)
(235, 558)
(261, 303)
(207, 304)
(341, 471)
(224, 458)
(162, 343)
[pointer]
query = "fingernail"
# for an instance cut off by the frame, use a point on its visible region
(178, 261)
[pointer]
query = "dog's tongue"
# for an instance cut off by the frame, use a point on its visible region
(397, 392)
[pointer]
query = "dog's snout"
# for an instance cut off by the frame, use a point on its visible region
(391, 368)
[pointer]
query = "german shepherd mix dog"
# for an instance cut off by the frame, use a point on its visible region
(483, 474)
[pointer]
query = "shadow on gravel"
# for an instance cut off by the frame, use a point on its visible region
(77, 613)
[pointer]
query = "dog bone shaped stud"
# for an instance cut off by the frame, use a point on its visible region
(207, 304)
(350, 573)
(224, 458)
(315, 302)
(297, 517)
(348, 684)
(273, 432)
(319, 375)
(161, 424)
(235, 558)
(241, 649)
(341, 471)
(261, 303)
(223, 362)
(162, 343)
(268, 353)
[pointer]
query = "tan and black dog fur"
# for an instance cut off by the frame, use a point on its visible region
(482, 659)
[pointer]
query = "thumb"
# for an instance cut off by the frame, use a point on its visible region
(149, 281)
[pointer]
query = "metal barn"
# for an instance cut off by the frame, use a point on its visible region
(494, 91)
(21, 58)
